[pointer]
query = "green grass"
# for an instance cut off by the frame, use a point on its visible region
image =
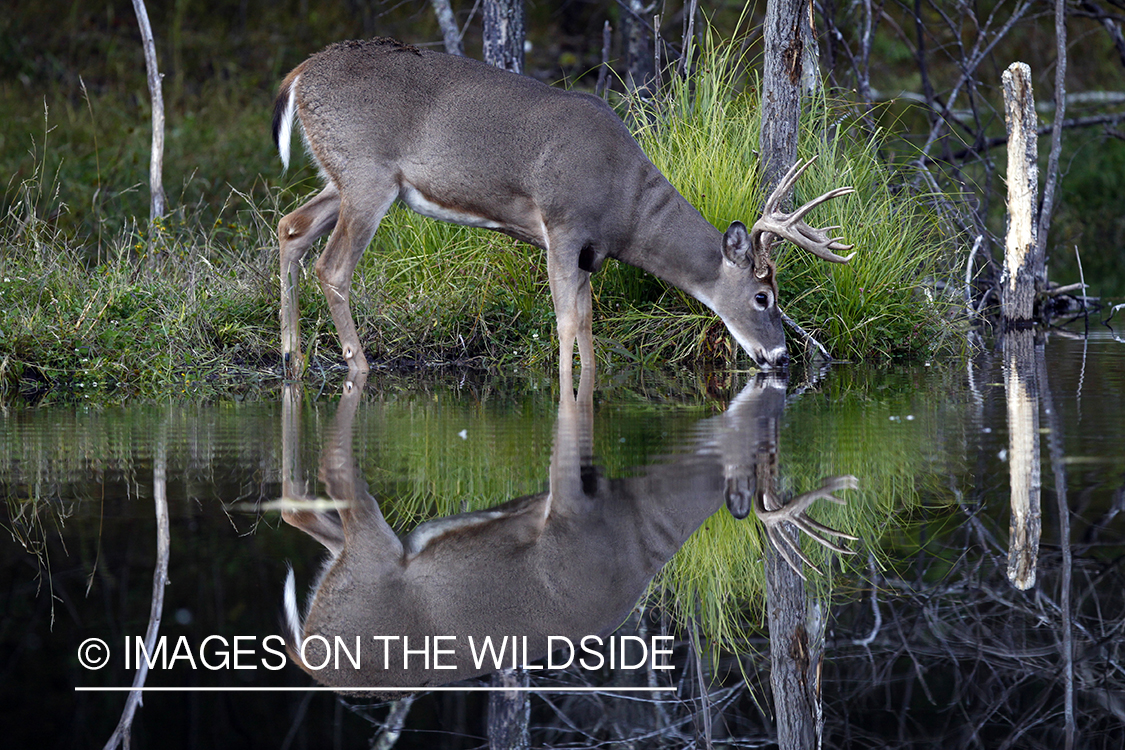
(152, 313)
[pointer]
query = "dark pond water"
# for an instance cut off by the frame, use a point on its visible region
(984, 607)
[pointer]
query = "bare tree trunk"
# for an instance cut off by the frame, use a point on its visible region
(504, 34)
(787, 34)
(794, 657)
(785, 29)
(637, 33)
(450, 34)
(1023, 262)
(156, 162)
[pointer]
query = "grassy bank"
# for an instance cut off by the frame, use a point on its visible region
(192, 302)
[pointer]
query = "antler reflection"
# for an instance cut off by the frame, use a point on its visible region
(795, 511)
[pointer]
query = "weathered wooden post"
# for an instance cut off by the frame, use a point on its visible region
(1023, 274)
(1020, 281)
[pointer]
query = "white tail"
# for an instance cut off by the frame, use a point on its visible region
(570, 562)
(464, 142)
(284, 124)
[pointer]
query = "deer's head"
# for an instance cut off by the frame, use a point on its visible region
(746, 293)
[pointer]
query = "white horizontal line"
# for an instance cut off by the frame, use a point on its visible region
(379, 689)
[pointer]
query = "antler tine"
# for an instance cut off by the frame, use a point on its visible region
(786, 184)
(821, 245)
(837, 483)
(791, 226)
(816, 531)
(833, 193)
(794, 511)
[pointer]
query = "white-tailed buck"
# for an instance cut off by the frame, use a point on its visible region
(569, 562)
(464, 142)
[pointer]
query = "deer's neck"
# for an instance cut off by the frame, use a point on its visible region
(672, 241)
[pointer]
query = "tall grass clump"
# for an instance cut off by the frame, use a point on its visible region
(704, 137)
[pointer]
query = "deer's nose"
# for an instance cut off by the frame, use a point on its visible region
(778, 359)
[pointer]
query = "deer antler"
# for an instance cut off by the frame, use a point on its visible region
(791, 227)
(794, 511)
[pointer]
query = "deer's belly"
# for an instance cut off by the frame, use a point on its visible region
(527, 228)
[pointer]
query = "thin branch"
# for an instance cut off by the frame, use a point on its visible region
(990, 143)
(1109, 22)
(969, 66)
(689, 36)
(603, 69)
(806, 336)
(1048, 206)
(156, 162)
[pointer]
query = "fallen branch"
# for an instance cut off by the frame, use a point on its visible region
(805, 336)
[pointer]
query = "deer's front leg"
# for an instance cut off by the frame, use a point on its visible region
(296, 232)
(570, 292)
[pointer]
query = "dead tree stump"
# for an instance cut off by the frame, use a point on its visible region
(1023, 272)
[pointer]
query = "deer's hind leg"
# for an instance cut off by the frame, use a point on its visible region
(361, 210)
(296, 232)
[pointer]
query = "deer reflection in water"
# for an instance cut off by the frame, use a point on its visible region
(569, 562)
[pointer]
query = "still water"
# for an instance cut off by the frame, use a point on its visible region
(984, 604)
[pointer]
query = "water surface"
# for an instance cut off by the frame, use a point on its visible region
(937, 632)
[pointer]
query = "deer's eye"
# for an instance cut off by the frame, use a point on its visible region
(762, 300)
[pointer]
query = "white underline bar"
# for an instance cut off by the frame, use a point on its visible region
(380, 689)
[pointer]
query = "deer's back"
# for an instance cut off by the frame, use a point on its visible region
(459, 130)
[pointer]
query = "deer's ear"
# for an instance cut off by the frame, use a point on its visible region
(736, 245)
